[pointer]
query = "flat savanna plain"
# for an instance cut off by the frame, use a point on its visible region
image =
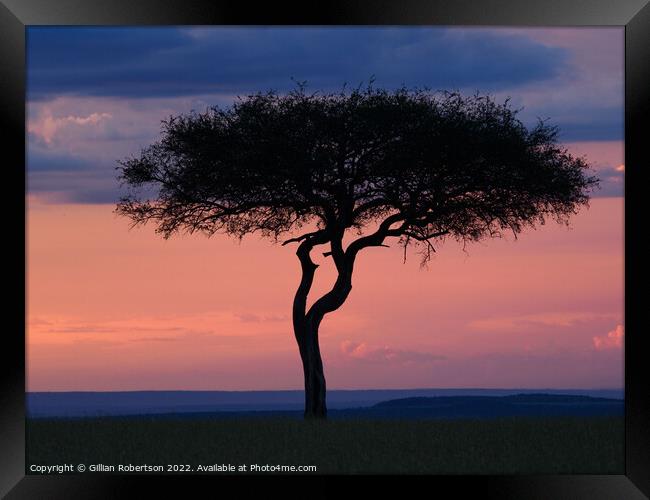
(514, 445)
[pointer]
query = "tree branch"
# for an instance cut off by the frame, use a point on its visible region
(374, 239)
(303, 237)
(307, 278)
(425, 237)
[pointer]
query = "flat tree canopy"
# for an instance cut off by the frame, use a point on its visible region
(406, 164)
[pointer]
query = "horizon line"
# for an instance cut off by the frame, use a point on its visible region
(335, 389)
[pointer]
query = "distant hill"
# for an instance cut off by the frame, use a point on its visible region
(543, 405)
(429, 403)
(541, 398)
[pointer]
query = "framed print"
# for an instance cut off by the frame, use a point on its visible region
(377, 240)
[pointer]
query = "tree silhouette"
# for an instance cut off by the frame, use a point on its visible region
(308, 168)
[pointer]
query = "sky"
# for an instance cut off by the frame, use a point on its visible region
(114, 308)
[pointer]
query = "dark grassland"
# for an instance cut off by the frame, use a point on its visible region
(521, 445)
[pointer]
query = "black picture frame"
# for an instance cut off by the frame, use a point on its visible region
(15, 15)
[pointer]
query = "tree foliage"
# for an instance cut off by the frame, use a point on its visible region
(420, 165)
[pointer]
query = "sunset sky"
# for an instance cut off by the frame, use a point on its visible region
(113, 308)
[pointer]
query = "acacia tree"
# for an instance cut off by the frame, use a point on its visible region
(407, 165)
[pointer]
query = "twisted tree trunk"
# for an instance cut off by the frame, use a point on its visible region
(307, 338)
(306, 324)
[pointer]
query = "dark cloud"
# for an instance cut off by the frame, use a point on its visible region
(583, 122)
(612, 182)
(39, 160)
(95, 184)
(597, 129)
(91, 196)
(149, 62)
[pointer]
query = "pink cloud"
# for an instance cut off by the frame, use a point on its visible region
(47, 126)
(601, 155)
(362, 351)
(117, 127)
(247, 317)
(612, 340)
(68, 330)
(551, 319)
